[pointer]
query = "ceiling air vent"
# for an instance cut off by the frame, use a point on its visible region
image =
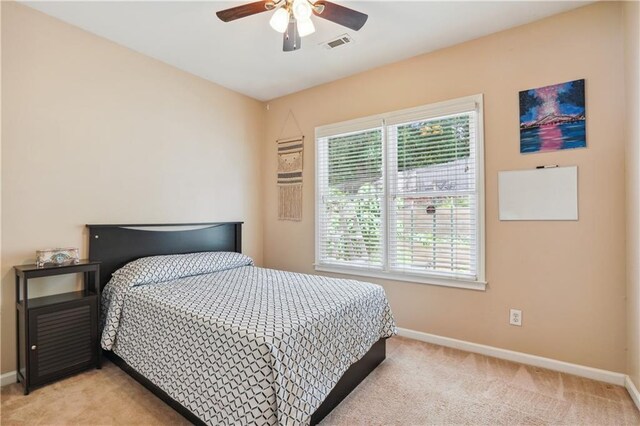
(338, 41)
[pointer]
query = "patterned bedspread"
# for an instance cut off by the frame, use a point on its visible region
(246, 345)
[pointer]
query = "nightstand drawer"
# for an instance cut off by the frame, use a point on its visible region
(63, 339)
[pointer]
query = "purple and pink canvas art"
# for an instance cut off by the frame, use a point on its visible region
(553, 118)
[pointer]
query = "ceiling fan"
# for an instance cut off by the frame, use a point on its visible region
(292, 18)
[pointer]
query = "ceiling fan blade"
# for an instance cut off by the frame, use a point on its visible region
(339, 14)
(243, 11)
(291, 38)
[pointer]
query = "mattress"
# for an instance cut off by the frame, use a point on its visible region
(247, 344)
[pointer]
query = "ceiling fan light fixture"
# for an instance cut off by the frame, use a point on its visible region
(292, 18)
(280, 20)
(306, 27)
(302, 9)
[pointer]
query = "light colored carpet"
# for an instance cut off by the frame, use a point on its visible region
(418, 384)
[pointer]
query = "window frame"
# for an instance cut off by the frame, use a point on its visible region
(433, 110)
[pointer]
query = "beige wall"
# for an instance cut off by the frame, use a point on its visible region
(93, 132)
(567, 277)
(632, 156)
(90, 127)
(1, 333)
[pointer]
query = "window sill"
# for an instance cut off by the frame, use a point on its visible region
(443, 282)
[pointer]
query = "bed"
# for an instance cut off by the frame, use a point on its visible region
(225, 342)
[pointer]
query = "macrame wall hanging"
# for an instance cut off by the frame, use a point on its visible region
(290, 162)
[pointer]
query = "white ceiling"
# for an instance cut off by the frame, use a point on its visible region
(246, 55)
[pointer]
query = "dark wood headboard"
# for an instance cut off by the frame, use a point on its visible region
(116, 245)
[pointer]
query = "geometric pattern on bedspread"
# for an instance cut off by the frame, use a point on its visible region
(248, 345)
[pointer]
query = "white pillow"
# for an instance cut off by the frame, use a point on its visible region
(155, 269)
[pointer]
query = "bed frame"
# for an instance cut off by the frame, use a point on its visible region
(116, 245)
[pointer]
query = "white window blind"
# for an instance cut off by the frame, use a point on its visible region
(352, 193)
(432, 199)
(400, 195)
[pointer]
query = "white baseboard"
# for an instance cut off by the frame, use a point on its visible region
(8, 378)
(633, 391)
(523, 358)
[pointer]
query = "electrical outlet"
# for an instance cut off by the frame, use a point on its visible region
(515, 317)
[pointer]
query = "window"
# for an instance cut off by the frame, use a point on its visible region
(400, 195)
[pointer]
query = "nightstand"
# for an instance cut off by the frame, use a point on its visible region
(56, 335)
